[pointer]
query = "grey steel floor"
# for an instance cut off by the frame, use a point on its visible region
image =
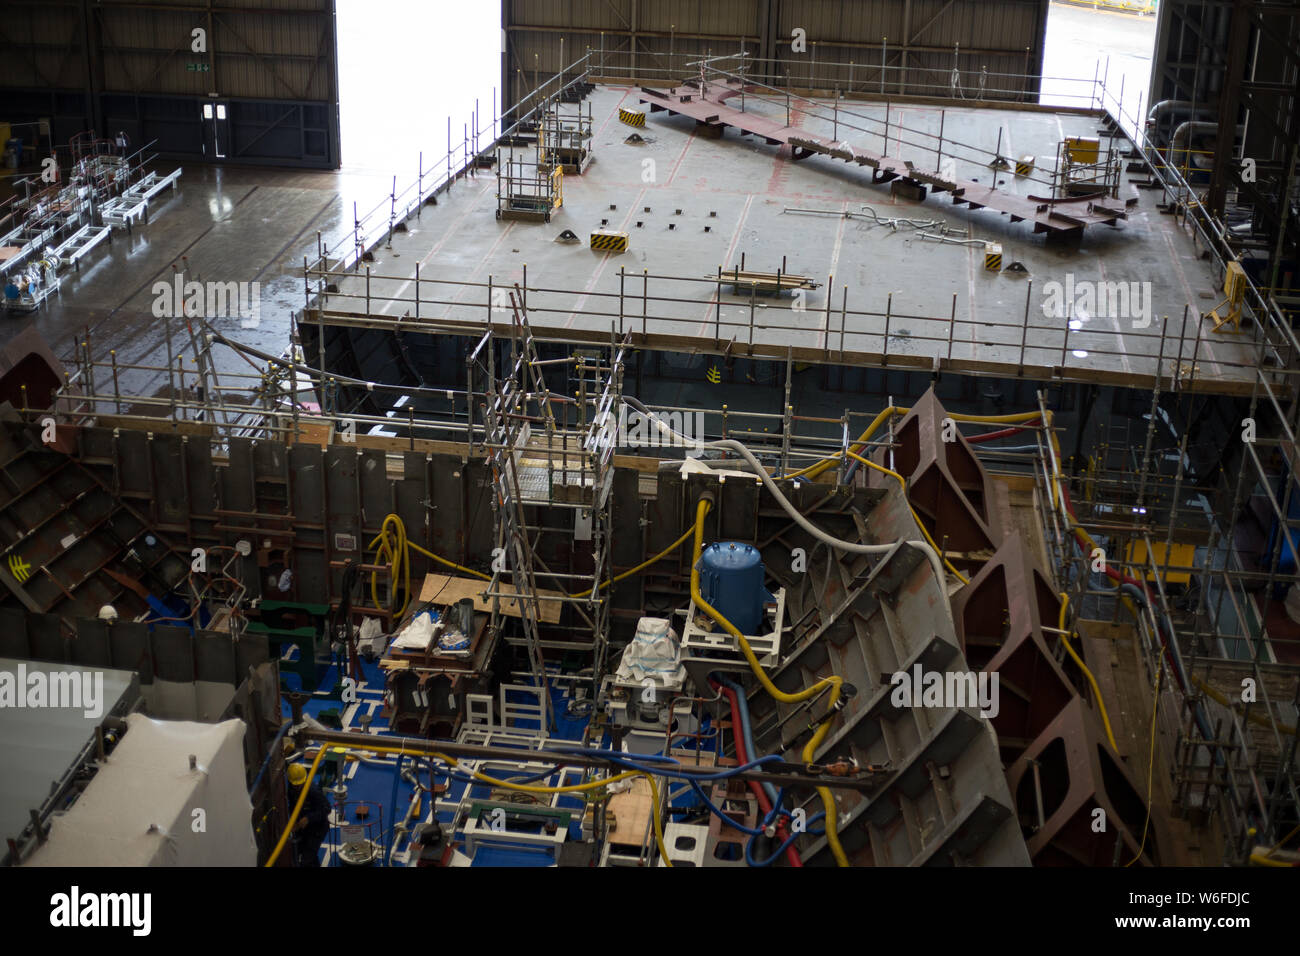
(236, 224)
(232, 224)
(742, 189)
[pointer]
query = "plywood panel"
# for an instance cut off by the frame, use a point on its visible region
(448, 590)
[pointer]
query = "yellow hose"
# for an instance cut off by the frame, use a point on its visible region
(1101, 704)
(644, 564)
(1263, 859)
(1263, 856)
(860, 444)
(297, 808)
(1151, 764)
(452, 761)
(392, 546)
(835, 683)
(902, 482)
(659, 833)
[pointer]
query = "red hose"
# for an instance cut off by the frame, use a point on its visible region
(764, 804)
(1114, 575)
(1004, 433)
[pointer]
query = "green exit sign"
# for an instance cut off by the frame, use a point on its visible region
(197, 67)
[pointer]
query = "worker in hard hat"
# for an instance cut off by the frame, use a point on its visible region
(313, 822)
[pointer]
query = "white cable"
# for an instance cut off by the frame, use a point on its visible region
(837, 543)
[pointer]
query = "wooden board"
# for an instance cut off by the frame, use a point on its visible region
(313, 431)
(444, 589)
(632, 809)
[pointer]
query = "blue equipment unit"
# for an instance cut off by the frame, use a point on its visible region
(731, 580)
(1286, 559)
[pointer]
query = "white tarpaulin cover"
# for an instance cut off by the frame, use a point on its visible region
(139, 809)
(652, 653)
(418, 635)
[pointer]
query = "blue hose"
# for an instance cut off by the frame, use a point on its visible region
(751, 831)
(747, 732)
(749, 844)
(680, 775)
(388, 843)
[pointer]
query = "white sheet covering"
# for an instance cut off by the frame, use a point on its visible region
(652, 653)
(147, 782)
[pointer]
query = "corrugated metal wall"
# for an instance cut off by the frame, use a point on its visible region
(130, 65)
(651, 41)
(257, 49)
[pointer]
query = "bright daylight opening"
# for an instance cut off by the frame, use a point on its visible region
(1102, 45)
(405, 68)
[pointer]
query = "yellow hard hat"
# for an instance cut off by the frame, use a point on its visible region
(297, 774)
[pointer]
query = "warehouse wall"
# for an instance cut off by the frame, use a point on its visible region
(130, 65)
(651, 40)
(1235, 66)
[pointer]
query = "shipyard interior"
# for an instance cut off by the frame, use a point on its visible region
(745, 434)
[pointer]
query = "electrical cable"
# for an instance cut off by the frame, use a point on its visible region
(785, 844)
(860, 443)
(297, 808)
(835, 682)
(678, 771)
(644, 564)
(902, 484)
(1101, 704)
(746, 725)
(744, 745)
(1151, 762)
(453, 762)
(796, 515)
(394, 548)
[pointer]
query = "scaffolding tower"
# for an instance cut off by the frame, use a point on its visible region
(564, 136)
(549, 451)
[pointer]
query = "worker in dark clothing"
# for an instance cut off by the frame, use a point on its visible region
(313, 823)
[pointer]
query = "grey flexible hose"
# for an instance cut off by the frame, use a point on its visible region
(838, 544)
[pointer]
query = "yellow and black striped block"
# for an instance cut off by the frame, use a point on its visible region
(993, 257)
(607, 240)
(1024, 165)
(631, 117)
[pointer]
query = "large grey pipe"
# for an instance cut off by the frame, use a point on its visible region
(1170, 111)
(1183, 134)
(1158, 110)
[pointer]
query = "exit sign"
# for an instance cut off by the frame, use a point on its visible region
(197, 67)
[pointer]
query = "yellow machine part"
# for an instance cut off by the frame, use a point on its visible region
(1082, 149)
(1180, 556)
